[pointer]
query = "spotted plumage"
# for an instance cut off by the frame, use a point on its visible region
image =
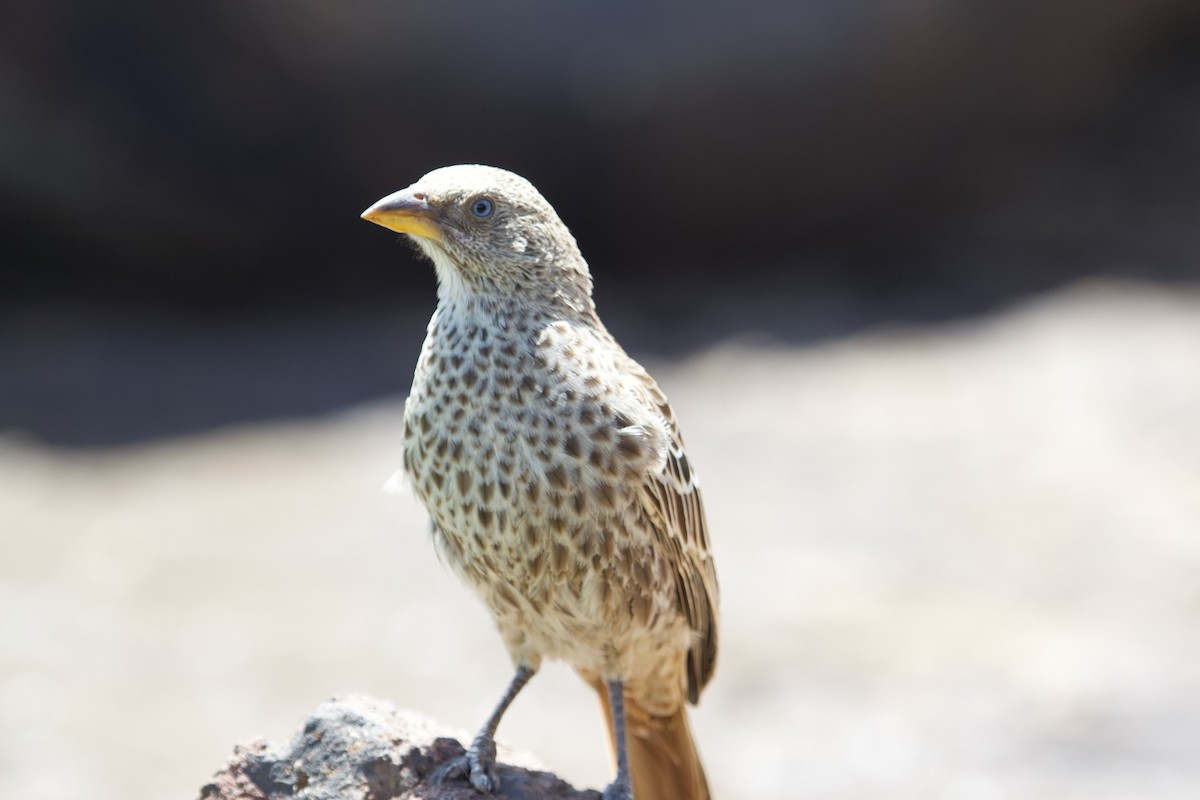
(553, 468)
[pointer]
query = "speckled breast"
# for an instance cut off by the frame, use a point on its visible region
(524, 461)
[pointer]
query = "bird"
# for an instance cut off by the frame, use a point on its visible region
(555, 476)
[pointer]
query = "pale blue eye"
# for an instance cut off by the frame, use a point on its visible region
(482, 207)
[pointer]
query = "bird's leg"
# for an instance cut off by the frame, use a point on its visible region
(479, 762)
(621, 788)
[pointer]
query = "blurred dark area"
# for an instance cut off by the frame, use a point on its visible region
(181, 183)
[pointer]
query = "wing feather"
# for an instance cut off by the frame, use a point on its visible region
(672, 502)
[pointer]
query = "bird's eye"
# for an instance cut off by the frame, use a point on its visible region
(482, 208)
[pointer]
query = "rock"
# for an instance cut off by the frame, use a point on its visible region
(359, 748)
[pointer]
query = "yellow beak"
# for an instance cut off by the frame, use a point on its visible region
(406, 211)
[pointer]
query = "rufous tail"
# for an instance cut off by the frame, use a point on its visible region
(663, 761)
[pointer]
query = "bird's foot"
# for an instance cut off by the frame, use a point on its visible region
(620, 789)
(478, 765)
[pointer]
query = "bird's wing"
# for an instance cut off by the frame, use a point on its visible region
(671, 499)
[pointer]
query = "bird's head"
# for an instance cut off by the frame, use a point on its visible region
(486, 230)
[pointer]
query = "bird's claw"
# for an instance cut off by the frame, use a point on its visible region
(477, 765)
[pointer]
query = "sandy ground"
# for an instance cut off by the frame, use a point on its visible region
(958, 562)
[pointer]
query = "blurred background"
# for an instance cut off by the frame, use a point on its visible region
(921, 279)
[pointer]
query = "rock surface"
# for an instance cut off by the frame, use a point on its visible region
(359, 748)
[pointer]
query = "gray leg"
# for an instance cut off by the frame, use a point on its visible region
(621, 788)
(479, 762)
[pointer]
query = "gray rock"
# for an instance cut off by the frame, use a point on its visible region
(359, 748)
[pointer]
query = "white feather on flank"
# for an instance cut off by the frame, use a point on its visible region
(397, 483)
